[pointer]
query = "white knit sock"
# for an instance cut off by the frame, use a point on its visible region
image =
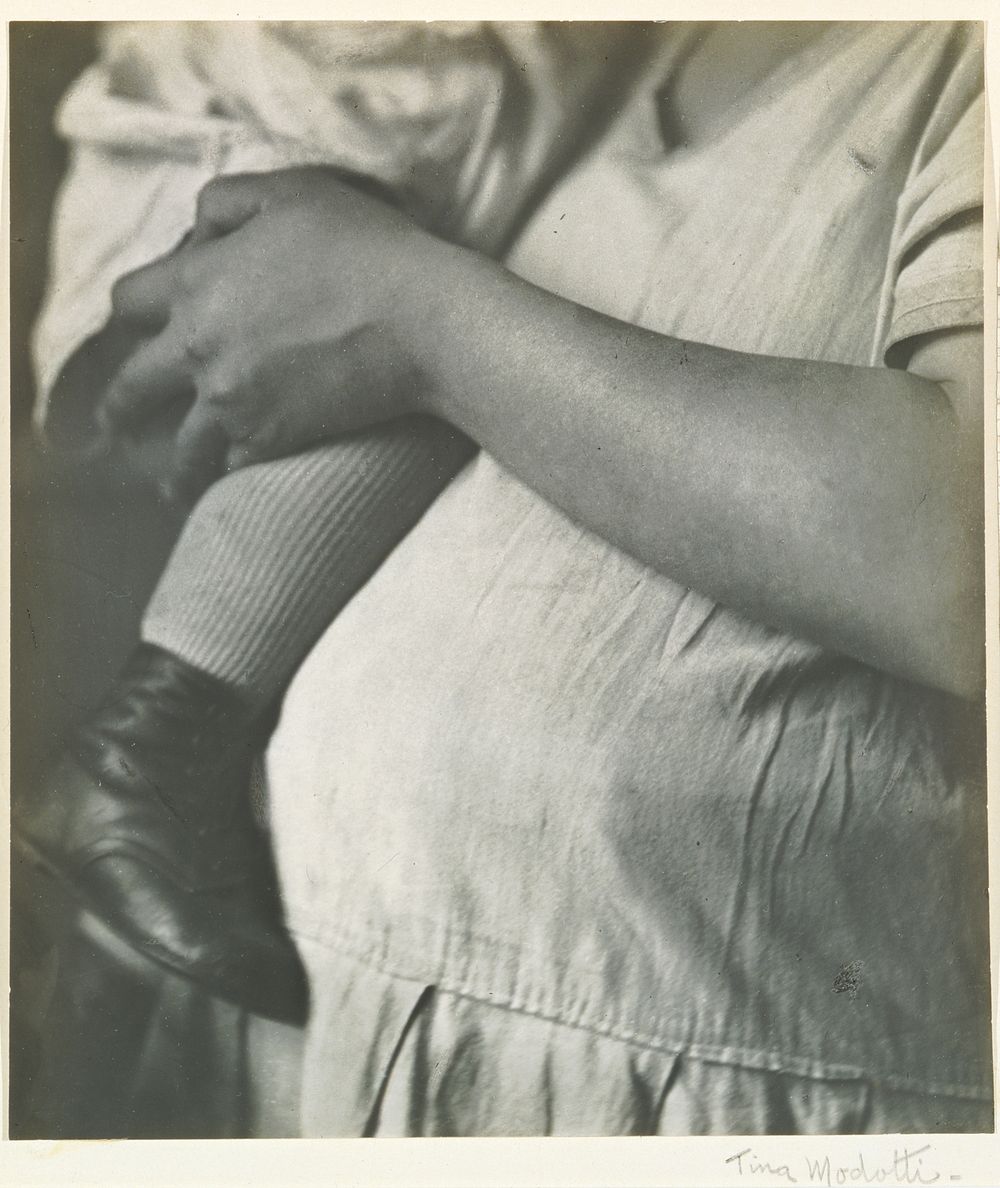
(272, 553)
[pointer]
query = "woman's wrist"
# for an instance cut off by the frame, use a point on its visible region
(439, 321)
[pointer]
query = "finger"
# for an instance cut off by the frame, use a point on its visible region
(145, 295)
(226, 203)
(200, 455)
(151, 378)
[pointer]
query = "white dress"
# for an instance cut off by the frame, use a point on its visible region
(571, 849)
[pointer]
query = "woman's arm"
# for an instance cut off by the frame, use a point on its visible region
(839, 503)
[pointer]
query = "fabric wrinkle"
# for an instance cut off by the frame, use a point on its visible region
(750, 841)
(653, 846)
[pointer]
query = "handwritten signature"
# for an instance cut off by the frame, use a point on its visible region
(909, 1166)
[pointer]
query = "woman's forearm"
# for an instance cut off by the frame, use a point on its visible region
(840, 503)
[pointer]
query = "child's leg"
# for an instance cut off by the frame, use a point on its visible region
(147, 819)
(272, 553)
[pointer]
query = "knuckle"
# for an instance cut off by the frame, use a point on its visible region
(218, 393)
(195, 341)
(195, 353)
(121, 293)
(212, 191)
(217, 385)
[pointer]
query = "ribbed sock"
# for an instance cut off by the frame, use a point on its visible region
(272, 553)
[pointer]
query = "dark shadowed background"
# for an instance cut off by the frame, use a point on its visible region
(94, 1054)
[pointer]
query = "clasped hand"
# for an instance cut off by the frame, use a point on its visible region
(287, 316)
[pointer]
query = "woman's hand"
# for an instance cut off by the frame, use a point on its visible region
(839, 503)
(287, 315)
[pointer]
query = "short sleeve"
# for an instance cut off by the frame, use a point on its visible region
(936, 260)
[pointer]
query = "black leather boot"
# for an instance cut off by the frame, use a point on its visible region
(147, 821)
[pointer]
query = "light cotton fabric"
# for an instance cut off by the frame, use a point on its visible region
(461, 122)
(547, 822)
(170, 105)
(459, 1067)
(462, 118)
(525, 772)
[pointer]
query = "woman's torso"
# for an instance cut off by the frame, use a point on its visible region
(524, 767)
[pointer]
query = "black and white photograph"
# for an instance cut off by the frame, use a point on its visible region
(498, 592)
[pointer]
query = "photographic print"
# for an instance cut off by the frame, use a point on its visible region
(497, 582)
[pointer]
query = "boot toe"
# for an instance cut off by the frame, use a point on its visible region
(206, 908)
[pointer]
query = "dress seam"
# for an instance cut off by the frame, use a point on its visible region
(759, 1059)
(959, 299)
